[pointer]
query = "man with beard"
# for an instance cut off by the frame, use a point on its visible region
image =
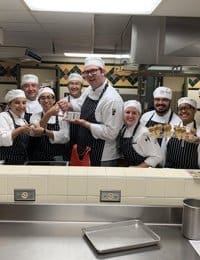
(162, 113)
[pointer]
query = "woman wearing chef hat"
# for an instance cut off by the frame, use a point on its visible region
(136, 146)
(51, 145)
(14, 130)
(183, 148)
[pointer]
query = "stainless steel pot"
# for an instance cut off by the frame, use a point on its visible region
(191, 219)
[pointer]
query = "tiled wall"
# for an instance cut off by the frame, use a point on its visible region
(83, 184)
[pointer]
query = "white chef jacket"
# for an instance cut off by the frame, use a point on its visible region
(145, 145)
(109, 114)
(175, 120)
(160, 119)
(7, 126)
(61, 136)
(33, 106)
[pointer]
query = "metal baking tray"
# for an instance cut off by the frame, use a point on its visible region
(120, 236)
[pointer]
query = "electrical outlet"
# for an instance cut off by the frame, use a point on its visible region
(24, 195)
(110, 195)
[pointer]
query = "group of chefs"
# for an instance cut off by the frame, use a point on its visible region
(37, 127)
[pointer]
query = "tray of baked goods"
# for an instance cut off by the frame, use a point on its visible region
(168, 131)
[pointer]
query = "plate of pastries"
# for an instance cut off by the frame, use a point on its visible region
(168, 131)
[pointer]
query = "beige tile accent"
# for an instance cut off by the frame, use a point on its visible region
(77, 199)
(174, 201)
(155, 201)
(78, 171)
(39, 183)
(134, 201)
(97, 172)
(3, 198)
(135, 187)
(95, 184)
(93, 199)
(174, 187)
(77, 186)
(40, 169)
(57, 185)
(56, 199)
(117, 183)
(10, 198)
(155, 187)
(16, 182)
(192, 188)
(115, 171)
(59, 170)
(3, 185)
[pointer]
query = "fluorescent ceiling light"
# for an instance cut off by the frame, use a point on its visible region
(91, 6)
(111, 56)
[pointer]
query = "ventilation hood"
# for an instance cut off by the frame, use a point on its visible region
(18, 54)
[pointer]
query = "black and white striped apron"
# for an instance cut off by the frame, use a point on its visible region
(46, 151)
(150, 123)
(127, 150)
(85, 137)
(17, 153)
(182, 154)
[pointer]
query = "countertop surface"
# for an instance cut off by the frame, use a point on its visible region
(61, 241)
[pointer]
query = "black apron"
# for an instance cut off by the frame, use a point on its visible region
(85, 137)
(150, 123)
(46, 151)
(127, 150)
(182, 154)
(17, 153)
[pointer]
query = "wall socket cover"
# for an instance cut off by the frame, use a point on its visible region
(24, 194)
(110, 195)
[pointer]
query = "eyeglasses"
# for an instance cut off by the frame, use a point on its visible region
(185, 108)
(47, 97)
(92, 72)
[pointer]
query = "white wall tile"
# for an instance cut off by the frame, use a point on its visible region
(192, 188)
(155, 187)
(57, 185)
(95, 184)
(77, 186)
(16, 182)
(39, 183)
(135, 187)
(3, 185)
(174, 187)
(77, 199)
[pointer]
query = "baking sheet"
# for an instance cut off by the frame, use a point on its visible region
(120, 236)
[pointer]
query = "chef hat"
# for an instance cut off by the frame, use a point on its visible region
(162, 92)
(97, 61)
(187, 100)
(76, 77)
(133, 103)
(14, 93)
(45, 90)
(29, 78)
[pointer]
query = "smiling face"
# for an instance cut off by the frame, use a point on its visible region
(31, 90)
(186, 112)
(162, 105)
(131, 116)
(94, 75)
(46, 100)
(18, 106)
(75, 87)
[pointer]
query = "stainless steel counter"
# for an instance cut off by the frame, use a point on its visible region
(47, 232)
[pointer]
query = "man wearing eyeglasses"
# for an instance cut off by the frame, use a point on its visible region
(183, 149)
(101, 115)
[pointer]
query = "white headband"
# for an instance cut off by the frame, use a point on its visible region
(187, 100)
(76, 77)
(29, 78)
(133, 103)
(96, 61)
(45, 90)
(14, 93)
(162, 92)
